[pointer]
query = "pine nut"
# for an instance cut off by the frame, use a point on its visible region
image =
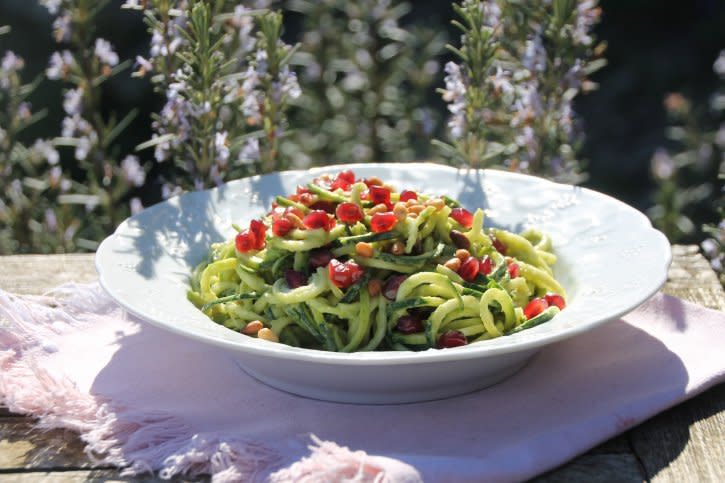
(252, 327)
(454, 264)
(400, 211)
(374, 181)
(364, 249)
(380, 208)
(416, 209)
(296, 221)
(462, 254)
(267, 334)
(436, 202)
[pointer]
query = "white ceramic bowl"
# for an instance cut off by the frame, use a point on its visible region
(610, 261)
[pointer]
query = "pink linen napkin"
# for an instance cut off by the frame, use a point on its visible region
(145, 399)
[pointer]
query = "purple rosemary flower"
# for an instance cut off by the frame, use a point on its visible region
(47, 151)
(105, 53)
(59, 65)
(132, 170)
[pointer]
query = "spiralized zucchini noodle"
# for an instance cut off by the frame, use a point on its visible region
(347, 264)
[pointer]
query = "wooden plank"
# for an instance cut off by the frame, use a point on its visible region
(78, 477)
(22, 447)
(596, 468)
(685, 443)
(34, 274)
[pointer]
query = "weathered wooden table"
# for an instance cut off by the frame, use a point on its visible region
(686, 443)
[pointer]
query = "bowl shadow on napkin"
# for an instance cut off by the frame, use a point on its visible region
(590, 387)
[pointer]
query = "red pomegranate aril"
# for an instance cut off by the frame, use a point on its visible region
(407, 195)
(306, 199)
(339, 184)
(535, 307)
(343, 181)
(409, 324)
(259, 229)
(513, 270)
(469, 269)
(499, 246)
(462, 216)
(382, 222)
(245, 241)
(460, 240)
(379, 195)
(342, 275)
(349, 213)
(555, 299)
(294, 278)
(317, 219)
(281, 226)
(302, 189)
(390, 290)
(485, 266)
(348, 176)
(451, 338)
(319, 257)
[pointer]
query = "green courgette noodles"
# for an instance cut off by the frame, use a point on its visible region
(346, 265)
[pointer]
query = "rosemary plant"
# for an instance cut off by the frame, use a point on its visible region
(88, 62)
(690, 176)
(29, 217)
(364, 79)
(224, 72)
(521, 65)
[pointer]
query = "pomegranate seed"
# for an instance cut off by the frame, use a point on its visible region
(319, 257)
(514, 270)
(302, 189)
(460, 240)
(469, 269)
(382, 222)
(339, 184)
(348, 176)
(281, 226)
(390, 290)
(306, 199)
(535, 307)
(555, 299)
(294, 278)
(342, 275)
(343, 180)
(499, 246)
(324, 205)
(485, 266)
(245, 241)
(318, 219)
(451, 338)
(259, 229)
(408, 195)
(462, 216)
(379, 195)
(409, 324)
(349, 213)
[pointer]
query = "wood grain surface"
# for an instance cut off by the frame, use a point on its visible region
(685, 443)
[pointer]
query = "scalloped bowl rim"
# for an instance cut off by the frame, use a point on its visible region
(514, 342)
